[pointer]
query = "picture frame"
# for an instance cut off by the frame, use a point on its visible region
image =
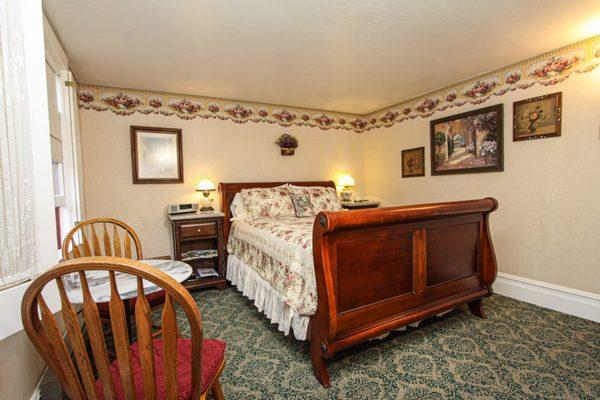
(470, 142)
(413, 162)
(156, 155)
(537, 117)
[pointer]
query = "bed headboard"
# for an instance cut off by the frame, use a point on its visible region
(229, 190)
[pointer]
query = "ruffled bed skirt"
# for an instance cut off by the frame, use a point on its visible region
(268, 300)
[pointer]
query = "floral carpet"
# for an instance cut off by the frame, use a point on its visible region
(520, 351)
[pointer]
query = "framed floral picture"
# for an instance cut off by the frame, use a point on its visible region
(467, 143)
(156, 155)
(413, 162)
(538, 117)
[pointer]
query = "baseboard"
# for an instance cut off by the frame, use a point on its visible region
(569, 301)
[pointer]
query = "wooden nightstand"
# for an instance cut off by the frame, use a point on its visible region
(359, 205)
(198, 241)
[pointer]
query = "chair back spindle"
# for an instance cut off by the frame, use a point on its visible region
(118, 239)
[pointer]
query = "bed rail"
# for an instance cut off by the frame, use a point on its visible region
(380, 269)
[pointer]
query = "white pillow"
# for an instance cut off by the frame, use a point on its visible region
(238, 208)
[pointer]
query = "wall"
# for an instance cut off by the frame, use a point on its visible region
(222, 150)
(546, 227)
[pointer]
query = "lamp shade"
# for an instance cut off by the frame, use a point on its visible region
(205, 185)
(346, 181)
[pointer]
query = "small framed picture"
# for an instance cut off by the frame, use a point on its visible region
(538, 117)
(156, 155)
(413, 162)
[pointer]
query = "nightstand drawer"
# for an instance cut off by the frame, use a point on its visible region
(198, 230)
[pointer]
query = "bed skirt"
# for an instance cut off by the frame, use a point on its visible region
(268, 300)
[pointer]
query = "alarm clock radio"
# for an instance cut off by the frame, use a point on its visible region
(183, 208)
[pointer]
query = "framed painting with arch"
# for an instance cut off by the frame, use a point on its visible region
(469, 142)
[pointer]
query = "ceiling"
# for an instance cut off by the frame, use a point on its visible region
(352, 56)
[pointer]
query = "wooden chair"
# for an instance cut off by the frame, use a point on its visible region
(166, 368)
(116, 240)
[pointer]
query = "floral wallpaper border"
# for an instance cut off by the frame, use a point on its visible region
(548, 69)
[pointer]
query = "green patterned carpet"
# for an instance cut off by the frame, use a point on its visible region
(520, 351)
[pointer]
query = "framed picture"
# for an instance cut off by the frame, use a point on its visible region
(538, 117)
(467, 143)
(413, 162)
(156, 155)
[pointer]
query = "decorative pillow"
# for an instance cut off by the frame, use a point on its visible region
(268, 202)
(238, 208)
(321, 198)
(302, 205)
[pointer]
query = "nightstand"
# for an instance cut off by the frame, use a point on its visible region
(198, 241)
(359, 205)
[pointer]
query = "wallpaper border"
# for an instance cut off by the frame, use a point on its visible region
(547, 69)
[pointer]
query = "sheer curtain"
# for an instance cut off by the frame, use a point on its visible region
(17, 231)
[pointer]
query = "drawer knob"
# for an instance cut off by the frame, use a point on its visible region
(199, 230)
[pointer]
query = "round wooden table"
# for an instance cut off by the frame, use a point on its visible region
(99, 284)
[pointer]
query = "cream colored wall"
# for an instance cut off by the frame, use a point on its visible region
(222, 150)
(547, 226)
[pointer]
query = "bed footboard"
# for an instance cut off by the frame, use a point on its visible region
(380, 269)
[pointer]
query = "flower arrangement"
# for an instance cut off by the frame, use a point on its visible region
(324, 120)
(554, 66)
(239, 111)
(122, 101)
(427, 105)
(262, 112)
(305, 117)
(533, 116)
(185, 106)
(341, 121)
(450, 97)
(284, 116)
(389, 116)
(213, 108)
(155, 103)
(513, 78)
(480, 89)
(359, 123)
(489, 147)
(287, 143)
(373, 121)
(406, 110)
(86, 97)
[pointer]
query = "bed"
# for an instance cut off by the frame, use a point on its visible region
(343, 277)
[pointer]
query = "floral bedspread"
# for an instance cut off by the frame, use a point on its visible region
(280, 250)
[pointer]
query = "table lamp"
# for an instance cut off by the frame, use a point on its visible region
(206, 186)
(347, 183)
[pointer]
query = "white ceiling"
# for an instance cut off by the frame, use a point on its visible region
(343, 55)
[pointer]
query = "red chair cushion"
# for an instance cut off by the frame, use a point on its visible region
(154, 299)
(213, 352)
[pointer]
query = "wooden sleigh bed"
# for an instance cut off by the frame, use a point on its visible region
(378, 270)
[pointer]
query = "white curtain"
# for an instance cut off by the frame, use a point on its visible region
(17, 233)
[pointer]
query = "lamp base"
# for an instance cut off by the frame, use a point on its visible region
(207, 210)
(346, 195)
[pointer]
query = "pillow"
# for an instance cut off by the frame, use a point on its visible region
(302, 205)
(238, 209)
(268, 202)
(321, 198)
